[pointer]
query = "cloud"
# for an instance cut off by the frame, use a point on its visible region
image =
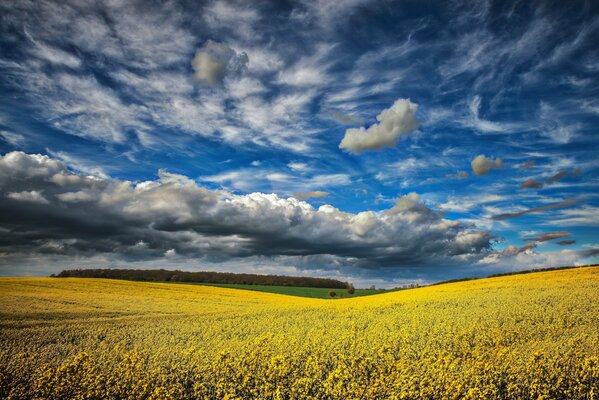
(566, 242)
(94, 215)
(563, 174)
(522, 258)
(527, 165)
(482, 125)
(531, 184)
(561, 204)
(32, 196)
(214, 60)
(460, 175)
(481, 165)
(14, 139)
(394, 122)
(309, 195)
(583, 216)
(549, 236)
(513, 250)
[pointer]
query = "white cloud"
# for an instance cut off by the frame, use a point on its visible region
(582, 216)
(394, 122)
(13, 138)
(32, 196)
(298, 166)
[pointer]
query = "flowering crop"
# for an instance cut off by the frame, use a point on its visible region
(533, 336)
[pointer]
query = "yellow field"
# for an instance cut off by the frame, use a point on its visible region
(527, 336)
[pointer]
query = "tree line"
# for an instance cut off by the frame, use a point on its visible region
(163, 275)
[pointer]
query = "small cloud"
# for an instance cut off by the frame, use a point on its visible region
(345, 119)
(527, 165)
(545, 237)
(563, 174)
(213, 61)
(309, 195)
(12, 138)
(170, 253)
(394, 122)
(33, 196)
(566, 242)
(513, 250)
(298, 166)
(256, 163)
(481, 165)
(531, 184)
(561, 204)
(458, 175)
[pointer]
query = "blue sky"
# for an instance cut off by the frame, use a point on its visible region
(433, 139)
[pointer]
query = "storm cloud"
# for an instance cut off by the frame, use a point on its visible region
(87, 215)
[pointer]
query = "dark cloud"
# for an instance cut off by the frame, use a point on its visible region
(561, 204)
(531, 184)
(85, 216)
(566, 242)
(563, 174)
(549, 236)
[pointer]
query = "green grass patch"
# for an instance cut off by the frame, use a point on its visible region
(318, 293)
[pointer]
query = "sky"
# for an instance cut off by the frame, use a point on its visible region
(378, 142)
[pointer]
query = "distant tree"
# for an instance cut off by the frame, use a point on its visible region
(332, 293)
(351, 289)
(373, 287)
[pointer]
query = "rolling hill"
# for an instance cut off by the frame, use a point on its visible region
(510, 337)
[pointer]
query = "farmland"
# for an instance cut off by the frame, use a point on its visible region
(517, 337)
(318, 293)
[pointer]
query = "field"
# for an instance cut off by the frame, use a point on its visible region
(533, 336)
(302, 291)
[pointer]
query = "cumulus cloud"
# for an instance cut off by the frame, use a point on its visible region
(33, 196)
(309, 195)
(518, 258)
(213, 61)
(549, 236)
(174, 216)
(394, 122)
(481, 165)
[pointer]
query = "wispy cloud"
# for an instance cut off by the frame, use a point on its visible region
(562, 204)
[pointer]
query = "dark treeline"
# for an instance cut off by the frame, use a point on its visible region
(162, 275)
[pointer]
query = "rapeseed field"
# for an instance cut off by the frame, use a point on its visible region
(533, 336)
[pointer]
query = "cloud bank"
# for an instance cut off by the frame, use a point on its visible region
(88, 215)
(394, 122)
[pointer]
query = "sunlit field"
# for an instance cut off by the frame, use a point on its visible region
(533, 336)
